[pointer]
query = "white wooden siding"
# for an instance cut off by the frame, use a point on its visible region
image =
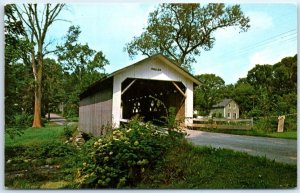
(153, 69)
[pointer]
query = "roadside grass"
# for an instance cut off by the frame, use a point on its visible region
(34, 136)
(253, 132)
(286, 134)
(197, 167)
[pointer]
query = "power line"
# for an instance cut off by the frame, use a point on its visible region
(279, 38)
(273, 37)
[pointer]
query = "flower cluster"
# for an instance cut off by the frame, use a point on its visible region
(120, 159)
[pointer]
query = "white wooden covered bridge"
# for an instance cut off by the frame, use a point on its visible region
(148, 88)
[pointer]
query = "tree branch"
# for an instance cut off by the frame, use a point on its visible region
(35, 15)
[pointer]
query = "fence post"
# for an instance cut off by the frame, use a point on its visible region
(280, 126)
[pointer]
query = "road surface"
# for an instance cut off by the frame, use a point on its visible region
(57, 119)
(282, 150)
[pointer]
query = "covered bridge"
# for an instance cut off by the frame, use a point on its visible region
(148, 88)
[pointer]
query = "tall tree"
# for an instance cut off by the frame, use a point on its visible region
(17, 75)
(53, 86)
(268, 89)
(37, 20)
(78, 58)
(180, 31)
(285, 75)
(16, 45)
(261, 77)
(246, 96)
(209, 92)
(82, 65)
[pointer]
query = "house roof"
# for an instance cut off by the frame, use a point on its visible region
(163, 58)
(223, 103)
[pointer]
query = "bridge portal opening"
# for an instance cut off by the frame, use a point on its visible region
(152, 99)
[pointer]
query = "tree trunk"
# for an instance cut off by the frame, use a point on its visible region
(37, 121)
(36, 33)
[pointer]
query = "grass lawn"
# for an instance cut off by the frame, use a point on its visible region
(40, 159)
(34, 136)
(196, 167)
(286, 135)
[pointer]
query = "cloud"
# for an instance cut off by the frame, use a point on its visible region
(268, 56)
(259, 20)
(227, 34)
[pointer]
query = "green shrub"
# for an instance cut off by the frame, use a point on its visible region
(17, 124)
(69, 130)
(219, 115)
(47, 150)
(267, 124)
(13, 132)
(121, 158)
(290, 123)
(23, 120)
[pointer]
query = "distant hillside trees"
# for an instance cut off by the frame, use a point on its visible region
(267, 90)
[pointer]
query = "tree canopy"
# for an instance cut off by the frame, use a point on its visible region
(80, 64)
(182, 31)
(267, 90)
(209, 92)
(36, 21)
(36, 84)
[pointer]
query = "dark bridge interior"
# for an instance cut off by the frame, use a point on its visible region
(151, 99)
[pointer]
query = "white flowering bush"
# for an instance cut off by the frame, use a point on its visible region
(119, 160)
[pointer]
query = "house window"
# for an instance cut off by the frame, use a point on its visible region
(228, 115)
(234, 106)
(229, 105)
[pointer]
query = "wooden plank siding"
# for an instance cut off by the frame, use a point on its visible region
(95, 112)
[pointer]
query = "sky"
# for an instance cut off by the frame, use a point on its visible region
(107, 27)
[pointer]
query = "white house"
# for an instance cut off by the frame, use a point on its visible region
(227, 108)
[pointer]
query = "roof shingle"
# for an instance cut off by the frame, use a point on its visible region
(223, 103)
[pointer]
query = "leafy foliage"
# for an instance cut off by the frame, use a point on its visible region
(82, 65)
(18, 81)
(36, 22)
(121, 159)
(16, 45)
(267, 92)
(208, 93)
(271, 84)
(69, 130)
(53, 86)
(79, 58)
(180, 31)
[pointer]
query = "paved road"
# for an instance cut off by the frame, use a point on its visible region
(57, 119)
(282, 150)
